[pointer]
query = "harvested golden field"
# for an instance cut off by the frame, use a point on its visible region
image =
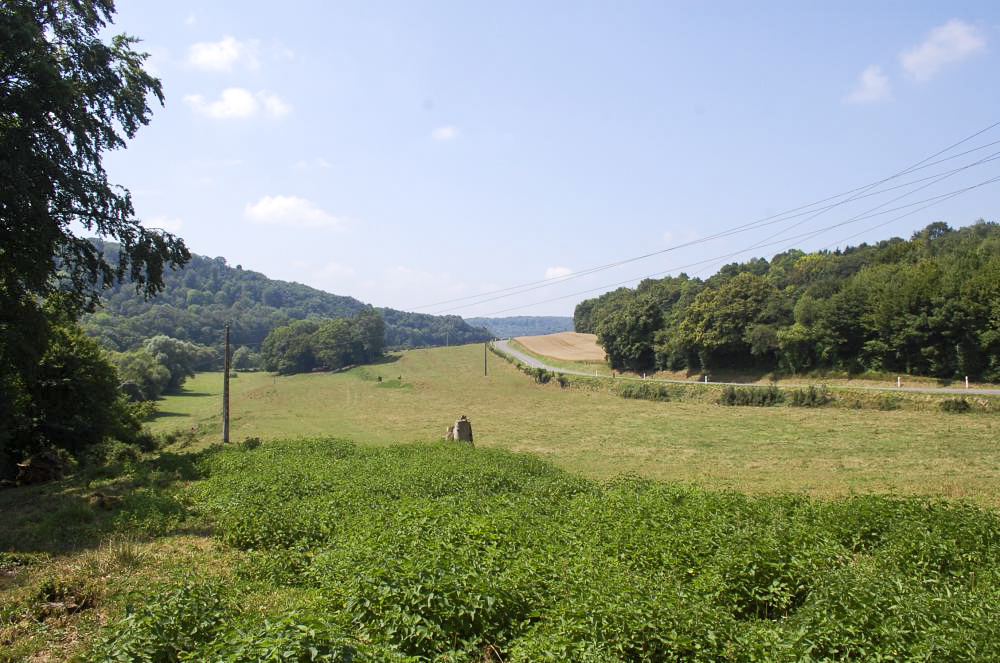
(569, 346)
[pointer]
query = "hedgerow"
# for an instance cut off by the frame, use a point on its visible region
(447, 553)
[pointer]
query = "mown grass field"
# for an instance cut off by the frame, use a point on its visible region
(820, 452)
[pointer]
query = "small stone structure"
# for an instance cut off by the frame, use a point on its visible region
(461, 431)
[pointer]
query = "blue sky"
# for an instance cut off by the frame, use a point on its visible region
(407, 153)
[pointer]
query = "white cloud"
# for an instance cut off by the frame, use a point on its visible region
(946, 44)
(237, 102)
(234, 102)
(445, 133)
(164, 223)
(873, 85)
(223, 54)
(273, 104)
(318, 162)
(557, 272)
(290, 211)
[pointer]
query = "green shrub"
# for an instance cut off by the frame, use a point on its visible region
(251, 443)
(811, 397)
(955, 405)
(754, 396)
(650, 391)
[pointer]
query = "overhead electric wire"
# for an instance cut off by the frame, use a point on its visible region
(934, 201)
(858, 193)
(938, 177)
(862, 216)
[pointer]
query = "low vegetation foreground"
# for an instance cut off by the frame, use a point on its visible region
(327, 551)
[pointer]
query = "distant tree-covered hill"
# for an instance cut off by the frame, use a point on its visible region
(929, 305)
(198, 301)
(524, 325)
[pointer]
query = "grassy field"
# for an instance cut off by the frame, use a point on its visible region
(378, 550)
(820, 452)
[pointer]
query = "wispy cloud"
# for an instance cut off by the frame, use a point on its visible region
(945, 45)
(273, 104)
(445, 133)
(222, 55)
(873, 85)
(236, 102)
(557, 272)
(318, 162)
(290, 211)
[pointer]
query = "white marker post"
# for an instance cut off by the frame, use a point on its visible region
(706, 379)
(899, 381)
(966, 381)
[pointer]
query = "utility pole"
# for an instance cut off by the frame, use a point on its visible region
(225, 393)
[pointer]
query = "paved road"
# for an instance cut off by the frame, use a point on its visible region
(504, 347)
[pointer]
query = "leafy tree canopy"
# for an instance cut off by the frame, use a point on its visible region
(66, 97)
(927, 306)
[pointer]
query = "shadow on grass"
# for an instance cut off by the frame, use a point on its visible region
(63, 516)
(161, 414)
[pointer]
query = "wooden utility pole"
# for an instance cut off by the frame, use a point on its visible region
(225, 393)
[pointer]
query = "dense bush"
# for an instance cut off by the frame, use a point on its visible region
(650, 391)
(812, 396)
(757, 396)
(955, 405)
(442, 552)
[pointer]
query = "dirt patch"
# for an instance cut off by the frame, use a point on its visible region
(568, 346)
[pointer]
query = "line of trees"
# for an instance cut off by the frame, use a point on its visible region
(929, 306)
(307, 345)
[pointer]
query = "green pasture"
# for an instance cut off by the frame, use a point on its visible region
(594, 433)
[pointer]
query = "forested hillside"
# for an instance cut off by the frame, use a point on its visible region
(197, 302)
(524, 325)
(927, 306)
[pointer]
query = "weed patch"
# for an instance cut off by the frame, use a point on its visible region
(443, 552)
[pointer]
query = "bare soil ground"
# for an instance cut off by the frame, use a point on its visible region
(569, 346)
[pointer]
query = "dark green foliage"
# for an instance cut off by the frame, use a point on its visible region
(627, 334)
(925, 306)
(69, 400)
(811, 396)
(440, 552)
(329, 345)
(198, 301)
(754, 396)
(66, 98)
(649, 391)
(955, 405)
(542, 376)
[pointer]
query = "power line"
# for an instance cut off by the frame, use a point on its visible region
(803, 210)
(934, 201)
